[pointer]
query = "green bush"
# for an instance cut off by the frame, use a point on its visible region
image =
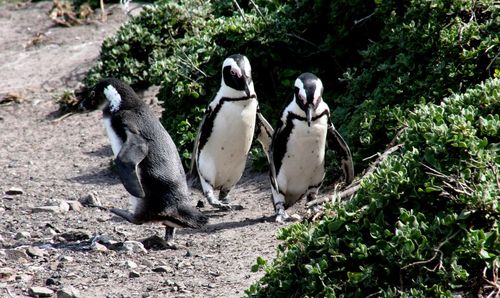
(180, 45)
(427, 49)
(426, 223)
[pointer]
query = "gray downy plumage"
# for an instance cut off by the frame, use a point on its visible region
(146, 157)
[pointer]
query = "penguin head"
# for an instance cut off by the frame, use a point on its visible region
(308, 92)
(110, 95)
(237, 74)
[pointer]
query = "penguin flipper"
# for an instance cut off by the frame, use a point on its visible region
(272, 164)
(337, 143)
(193, 171)
(133, 151)
(264, 133)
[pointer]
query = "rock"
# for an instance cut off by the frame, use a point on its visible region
(40, 292)
(166, 269)
(295, 217)
(68, 292)
(134, 274)
(16, 255)
(36, 252)
(63, 206)
(66, 258)
(76, 236)
(131, 264)
(90, 200)
(22, 235)
(98, 247)
(7, 274)
(133, 247)
(52, 282)
(14, 191)
(75, 205)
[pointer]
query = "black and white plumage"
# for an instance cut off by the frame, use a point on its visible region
(227, 130)
(297, 153)
(147, 160)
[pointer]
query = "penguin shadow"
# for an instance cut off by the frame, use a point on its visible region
(102, 176)
(104, 151)
(211, 228)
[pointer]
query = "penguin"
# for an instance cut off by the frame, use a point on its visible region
(147, 160)
(226, 132)
(297, 151)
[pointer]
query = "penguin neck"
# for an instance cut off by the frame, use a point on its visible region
(228, 92)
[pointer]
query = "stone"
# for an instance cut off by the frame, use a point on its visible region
(36, 252)
(131, 264)
(90, 200)
(161, 269)
(134, 274)
(68, 292)
(75, 205)
(40, 292)
(76, 236)
(14, 191)
(52, 282)
(66, 258)
(98, 247)
(63, 206)
(133, 247)
(16, 255)
(22, 235)
(295, 217)
(7, 274)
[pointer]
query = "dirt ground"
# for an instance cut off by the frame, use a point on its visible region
(47, 164)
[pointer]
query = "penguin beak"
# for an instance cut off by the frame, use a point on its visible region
(309, 111)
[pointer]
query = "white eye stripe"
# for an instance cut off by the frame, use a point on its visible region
(113, 97)
(318, 90)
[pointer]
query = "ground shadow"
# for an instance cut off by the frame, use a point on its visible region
(210, 228)
(102, 176)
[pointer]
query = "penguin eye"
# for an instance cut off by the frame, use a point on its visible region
(233, 73)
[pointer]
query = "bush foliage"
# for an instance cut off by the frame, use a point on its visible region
(425, 223)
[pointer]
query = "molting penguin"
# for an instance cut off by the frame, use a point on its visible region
(226, 132)
(297, 153)
(148, 163)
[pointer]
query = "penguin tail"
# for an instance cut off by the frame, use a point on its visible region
(183, 216)
(192, 179)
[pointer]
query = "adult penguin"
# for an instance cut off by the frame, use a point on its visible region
(297, 153)
(226, 132)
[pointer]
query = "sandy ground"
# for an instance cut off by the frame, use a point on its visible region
(49, 162)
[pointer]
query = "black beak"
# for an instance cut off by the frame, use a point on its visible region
(309, 111)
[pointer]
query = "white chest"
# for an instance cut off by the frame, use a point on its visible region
(116, 142)
(223, 158)
(303, 163)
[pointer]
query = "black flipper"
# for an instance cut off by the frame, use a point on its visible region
(133, 151)
(337, 143)
(263, 133)
(192, 175)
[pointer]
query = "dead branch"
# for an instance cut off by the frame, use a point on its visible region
(239, 9)
(355, 185)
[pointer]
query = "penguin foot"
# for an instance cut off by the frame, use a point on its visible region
(126, 215)
(281, 216)
(225, 200)
(157, 243)
(218, 204)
